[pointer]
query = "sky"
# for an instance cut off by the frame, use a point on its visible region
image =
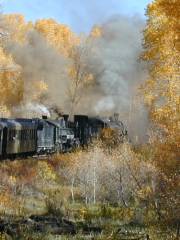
(80, 15)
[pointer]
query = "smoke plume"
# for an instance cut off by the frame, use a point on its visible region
(118, 73)
(40, 63)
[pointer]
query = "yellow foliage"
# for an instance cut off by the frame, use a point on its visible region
(3, 236)
(58, 35)
(12, 179)
(96, 32)
(11, 86)
(162, 92)
(11, 83)
(110, 137)
(6, 201)
(45, 171)
(17, 26)
(4, 198)
(145, 192)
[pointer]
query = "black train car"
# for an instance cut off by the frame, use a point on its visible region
(55, 136)
(88, 128)
(81, 129)
(46, 137)
(18, 137)
(3, 137)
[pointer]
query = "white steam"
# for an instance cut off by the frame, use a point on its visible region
(31, 110)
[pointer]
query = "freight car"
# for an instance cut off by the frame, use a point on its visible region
(25, 137)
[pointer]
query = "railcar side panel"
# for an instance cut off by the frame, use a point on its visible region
(21, 140)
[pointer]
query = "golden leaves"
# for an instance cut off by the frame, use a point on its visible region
(17, 26)
(11, 84)
(11, 87)
(162, 89)
(96, 32)
(45, 172)
(58, 35)
(163, 56)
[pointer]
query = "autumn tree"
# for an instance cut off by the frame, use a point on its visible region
(17, 27)
(76, 50)
(79, 73)
(14, 30)
(11, 84)
(162, 96)
(58, 35)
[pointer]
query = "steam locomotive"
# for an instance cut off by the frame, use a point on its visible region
(26, 137)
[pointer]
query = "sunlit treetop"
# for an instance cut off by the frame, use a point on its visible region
(58, 35)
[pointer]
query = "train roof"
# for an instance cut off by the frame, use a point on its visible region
(2, 125)
(18, 123)
(110, 122)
